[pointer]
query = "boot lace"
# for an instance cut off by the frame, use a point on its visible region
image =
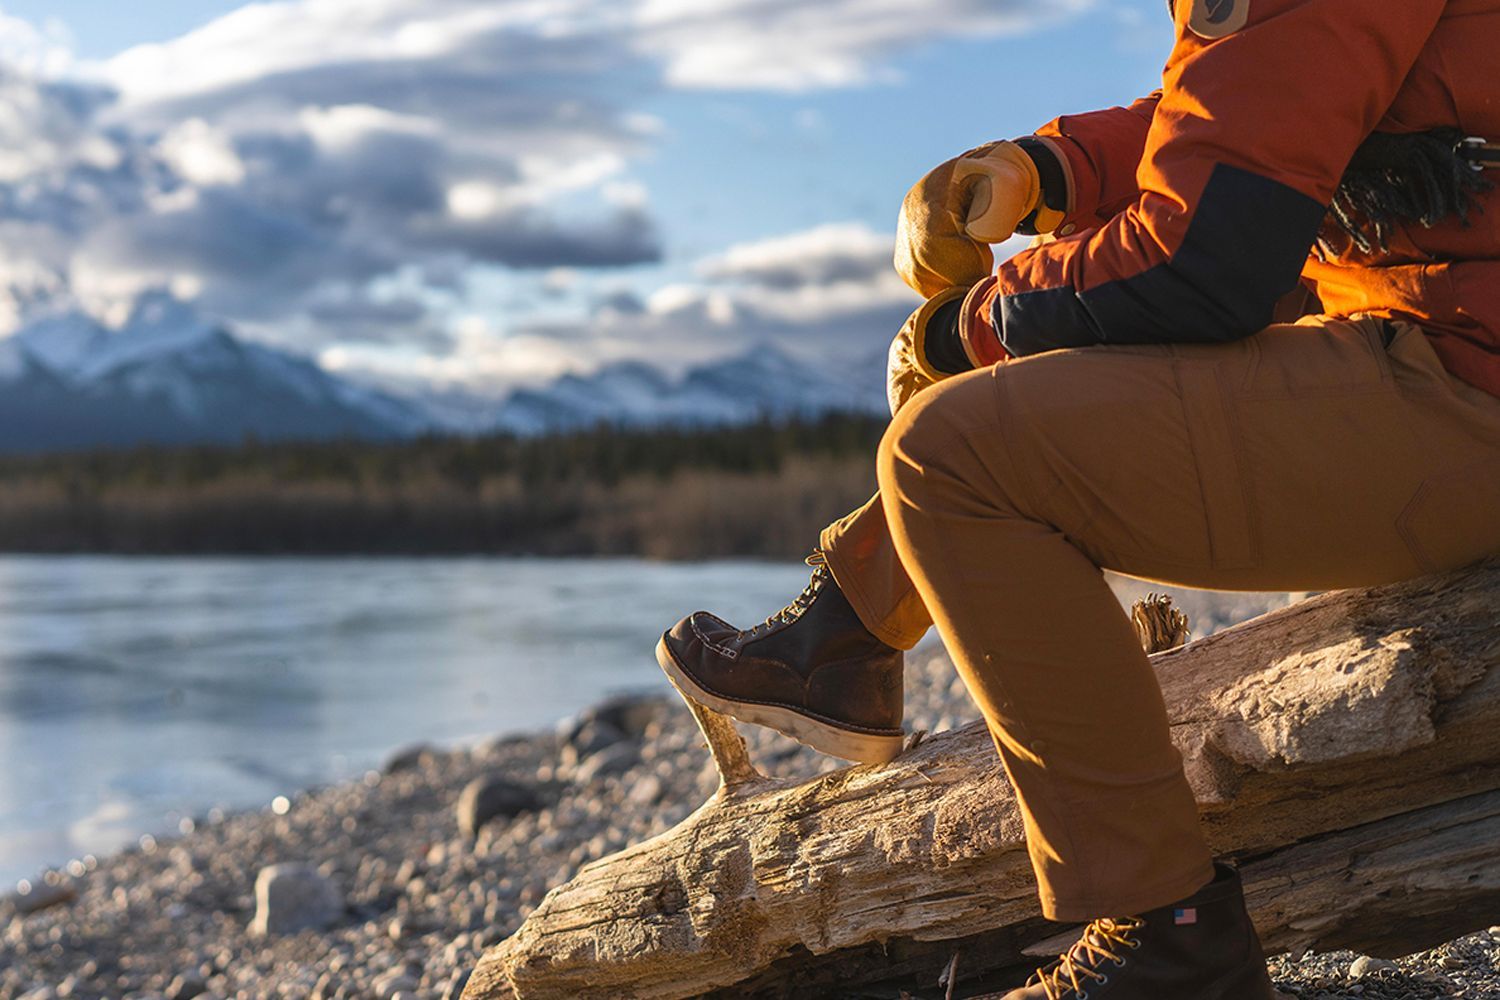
(1103, 941)
(820, 577)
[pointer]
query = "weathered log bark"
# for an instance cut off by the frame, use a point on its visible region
(1346, 750)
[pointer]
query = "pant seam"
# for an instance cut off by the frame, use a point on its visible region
(1008, 418)
(1230, 407)
(1187, 426)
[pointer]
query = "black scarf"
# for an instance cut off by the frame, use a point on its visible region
(1420, 179)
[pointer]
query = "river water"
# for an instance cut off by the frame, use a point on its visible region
(139, 693)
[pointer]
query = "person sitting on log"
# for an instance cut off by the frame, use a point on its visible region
(1121, 396)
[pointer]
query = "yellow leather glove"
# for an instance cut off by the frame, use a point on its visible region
(950, 217)
(908, 370)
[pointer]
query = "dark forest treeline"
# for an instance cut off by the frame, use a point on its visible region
(760, 490)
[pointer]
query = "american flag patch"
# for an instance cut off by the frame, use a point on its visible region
(1187, 916)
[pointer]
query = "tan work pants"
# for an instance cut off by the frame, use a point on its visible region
(1322, 454)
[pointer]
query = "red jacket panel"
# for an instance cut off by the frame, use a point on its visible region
(1243, 150)
(1100, 152)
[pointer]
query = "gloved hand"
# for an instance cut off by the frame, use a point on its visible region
(909, 370)
(950, 216)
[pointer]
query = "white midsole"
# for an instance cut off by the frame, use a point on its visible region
(864, 748)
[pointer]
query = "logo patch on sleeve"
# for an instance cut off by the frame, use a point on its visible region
(1218, 18)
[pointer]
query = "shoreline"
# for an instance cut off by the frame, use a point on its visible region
(419, 898)
(143, 692)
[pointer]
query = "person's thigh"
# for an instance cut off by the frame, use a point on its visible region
(1322, 454)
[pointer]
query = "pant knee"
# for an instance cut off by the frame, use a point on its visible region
(906, 449)
(936, 449)
(947, 452)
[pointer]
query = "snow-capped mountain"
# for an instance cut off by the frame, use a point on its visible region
(169, 376)
(765, 382)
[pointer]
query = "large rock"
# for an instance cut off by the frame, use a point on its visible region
(612, 760)
(493, 797)
(629, 713)
(582, 739)
(410, 758)
(31, 898)
(294, 897)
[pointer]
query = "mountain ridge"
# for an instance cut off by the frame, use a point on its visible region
(170, 376)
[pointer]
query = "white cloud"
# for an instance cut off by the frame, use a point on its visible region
(793, 45)
(820, 255)
(287, 162)
(342, 127)
(737, 303)
(44, 52)
(201, 154)
(45, 127)
(478, 358)
(263, 40)
(472, 200)
(294, 147)
(829, 294)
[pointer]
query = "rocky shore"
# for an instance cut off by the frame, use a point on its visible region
(392, 887)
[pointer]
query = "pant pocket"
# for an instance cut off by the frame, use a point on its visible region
(1319, 359)
(1454, 519)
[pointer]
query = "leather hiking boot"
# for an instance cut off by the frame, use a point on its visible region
(1203, 948)
(811, 671)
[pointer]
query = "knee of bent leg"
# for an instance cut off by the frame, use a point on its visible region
(914, 441)
(946, 448)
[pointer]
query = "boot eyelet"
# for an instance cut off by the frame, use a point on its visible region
(1119, 963)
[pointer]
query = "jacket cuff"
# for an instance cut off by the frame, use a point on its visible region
(976, 326)
(1079, 182)
(920, 322)
(1058, 194)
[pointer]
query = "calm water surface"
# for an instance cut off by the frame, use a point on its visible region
(137, 692)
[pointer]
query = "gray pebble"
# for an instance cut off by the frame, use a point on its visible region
(40, 897)
(1364, 965)
(630, 714)
(589, 736)
(186, 987)
(612, 760)
(389, 986)
(294, 897)
(646, 792)
(492, 797)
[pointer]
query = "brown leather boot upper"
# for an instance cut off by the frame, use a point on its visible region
(814, 657)
(1202, 948)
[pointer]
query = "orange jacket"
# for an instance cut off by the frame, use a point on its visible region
(1190, 213)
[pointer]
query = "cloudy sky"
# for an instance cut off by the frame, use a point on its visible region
(483, 193)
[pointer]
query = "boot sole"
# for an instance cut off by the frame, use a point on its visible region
(864, 748)
(1272, 995)
(1258, 992)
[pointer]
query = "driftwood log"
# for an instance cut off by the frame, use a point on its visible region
(1345, 750)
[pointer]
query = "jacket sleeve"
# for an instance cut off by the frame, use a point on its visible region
(1097, 154)
(1263, 104)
